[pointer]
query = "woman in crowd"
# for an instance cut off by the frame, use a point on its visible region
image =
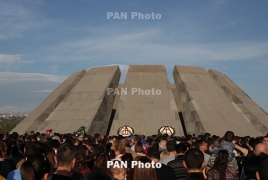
(144, 173)
(36, 167)
(220, 170)
(5, 166)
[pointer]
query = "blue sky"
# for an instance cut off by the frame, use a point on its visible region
(42, 42)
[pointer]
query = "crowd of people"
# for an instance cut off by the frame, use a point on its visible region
(56, 156)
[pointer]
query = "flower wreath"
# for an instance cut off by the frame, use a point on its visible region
(166, 130)
(80, 131)
(128, 131)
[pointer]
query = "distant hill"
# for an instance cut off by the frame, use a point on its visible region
(14, 110)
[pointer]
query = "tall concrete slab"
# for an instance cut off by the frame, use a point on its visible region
(205, 106)
(146, 111)
(88, 104)
(47, 106)
(248, 106)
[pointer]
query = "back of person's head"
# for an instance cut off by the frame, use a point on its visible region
(54, 143)
(251, 166)
(188, 137)
(33, 149)
(263, 169)
(260, 149)
(139, 148)
(221, 162)
(229, 136)
(66, 154)
(162, 145)
(35, 167)
(127, 158)
(101, 163)
(118, 173)
(120, 148)
(153, 153)
(181, 148)
(93, 175)
(99, 149)
(140, 173)
(171, 145)
(163, 154)
(194, 159)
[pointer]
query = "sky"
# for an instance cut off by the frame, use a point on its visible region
(42, 42)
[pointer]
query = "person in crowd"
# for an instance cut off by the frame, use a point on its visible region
(265, 140)
(36, 167)
(171, 147)
(127, 147)
(251, 166)
(164, 172)
(139, 149)
(220, 170)
(229, 147)
(162, 145)
(262, 173)
(93, 175)
(144, 173)
(163, 154)
(101, 164)
(128, 158)
(30, 149)
(177, 163)
(194, 163)
(118, 173)
(80, 167)
(202, 146)
(5, 166)
(119, 151)
(65, 158)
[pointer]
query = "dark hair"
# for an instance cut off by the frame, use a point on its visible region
(194, 158)
(251, 166)
(34, 167)
(127, 158)
(220, 163)
(33, 149)
(181, 148)
(144, 173)
(80, 163)
(188, 137)
(171, 145)
(153, 153)
(263, 168)
(93, 175)
(65, 154)
(198, 143)
(101, 164)
(54, 143)
(229, 136)
(121, 148)
(139, 148)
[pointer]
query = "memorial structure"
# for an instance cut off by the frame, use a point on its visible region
(146, 103)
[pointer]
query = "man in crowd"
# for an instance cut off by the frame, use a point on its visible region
(194, 163)
(171, 148)
(177, 164)
(66, 157)
(203, 146)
